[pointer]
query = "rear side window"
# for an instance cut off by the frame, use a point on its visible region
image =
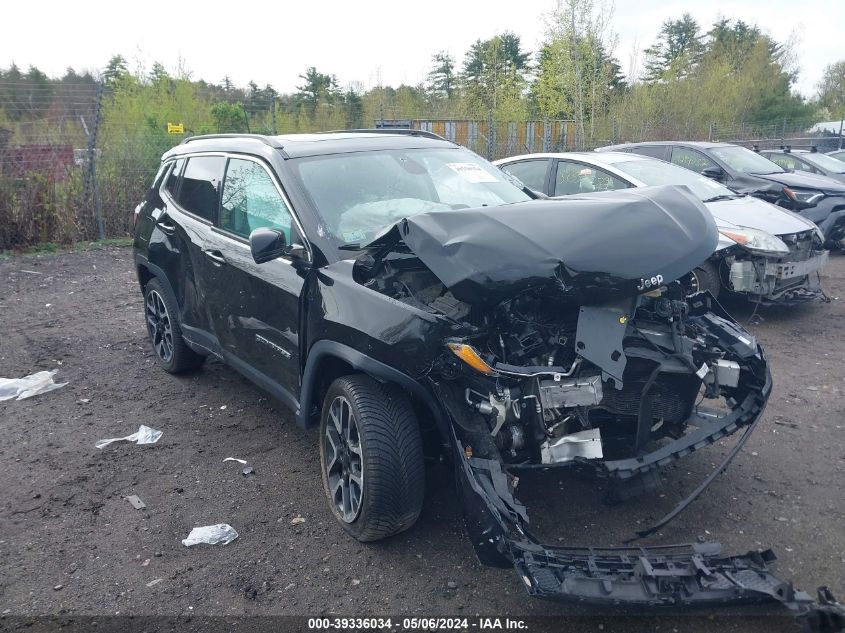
(251, 201)
(199, 192)
(573, 178)
(691, 159)
(655, 151)
(532, 173)
(173, 177)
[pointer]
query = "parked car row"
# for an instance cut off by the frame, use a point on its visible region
(818, 198)
(765, 252)
(407, 298)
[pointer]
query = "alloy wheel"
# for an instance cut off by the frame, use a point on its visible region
(344, 460)
(159, 326)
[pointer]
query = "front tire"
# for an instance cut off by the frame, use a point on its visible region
(371, 457)
(705, 277)
(165, 331)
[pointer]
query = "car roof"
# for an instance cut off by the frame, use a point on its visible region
(317, 144)
(606, 158)
(699, 144)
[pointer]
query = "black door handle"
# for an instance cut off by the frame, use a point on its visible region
(216, 257)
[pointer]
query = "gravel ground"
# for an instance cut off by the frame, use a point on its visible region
(71, 544)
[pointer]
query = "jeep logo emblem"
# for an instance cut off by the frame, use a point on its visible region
(650, 283)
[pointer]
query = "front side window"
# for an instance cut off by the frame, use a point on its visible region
(572, 178)
(358, 195)
(532, 173)
(691, 159)
(199, 192)
(250, 200)
(745, 161)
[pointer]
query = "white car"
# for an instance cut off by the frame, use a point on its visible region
(769, 254)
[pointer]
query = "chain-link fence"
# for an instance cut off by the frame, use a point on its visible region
(75, 159)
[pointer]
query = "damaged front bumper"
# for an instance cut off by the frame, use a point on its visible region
(779, 282)
(666, 576)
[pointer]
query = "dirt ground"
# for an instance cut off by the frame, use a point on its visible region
(71, 544)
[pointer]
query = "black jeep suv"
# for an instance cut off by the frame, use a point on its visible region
(398, 291)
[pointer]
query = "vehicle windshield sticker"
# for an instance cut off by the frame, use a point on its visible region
(472, 172)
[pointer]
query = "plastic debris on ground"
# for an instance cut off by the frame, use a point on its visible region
(28, 386)
(144, 435)
(136, 502)
(235, 459)
(249, 470)
(211, 534)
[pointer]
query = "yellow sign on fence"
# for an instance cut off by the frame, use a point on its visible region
(175, 128)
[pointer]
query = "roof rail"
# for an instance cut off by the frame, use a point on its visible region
(390, 130)
(267, 140)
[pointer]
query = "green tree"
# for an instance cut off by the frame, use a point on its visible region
(316, 87)
(442, 80)
(832, 89)
(676, 50)
(115, 70)
(229, 117)
(494, 77)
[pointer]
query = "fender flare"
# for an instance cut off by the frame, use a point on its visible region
(361, 362)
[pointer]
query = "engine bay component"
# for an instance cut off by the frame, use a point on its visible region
(584, 444)
(583, 392)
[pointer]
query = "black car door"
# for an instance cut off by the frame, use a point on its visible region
(256, 317)
(182, 223)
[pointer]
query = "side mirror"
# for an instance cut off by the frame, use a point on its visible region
(266, 244)
(715, 173)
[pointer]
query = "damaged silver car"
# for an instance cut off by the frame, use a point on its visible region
(766, 253)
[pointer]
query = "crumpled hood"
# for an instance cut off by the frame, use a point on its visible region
(754, 213)
(596, 246)
(806, 181)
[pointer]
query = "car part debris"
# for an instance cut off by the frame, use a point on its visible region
(235, 459)
(211, 534)
(583, 444)
(136, 502)
(144, 435)
(28, 386)
(249, 470)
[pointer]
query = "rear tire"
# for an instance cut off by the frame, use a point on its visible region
(371, 457)
(165, 331)
(706, 277)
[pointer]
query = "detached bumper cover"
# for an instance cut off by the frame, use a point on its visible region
(657, 577)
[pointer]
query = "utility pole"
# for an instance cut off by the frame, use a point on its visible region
(91, 175)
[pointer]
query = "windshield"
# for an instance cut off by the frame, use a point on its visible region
(745, 161)
(825, 162)
(357, 195)
(656, 172)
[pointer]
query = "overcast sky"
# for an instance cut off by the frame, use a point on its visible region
(369, 41)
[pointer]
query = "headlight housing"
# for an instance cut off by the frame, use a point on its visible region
(471, 357)
(756, 240)
(804, 196)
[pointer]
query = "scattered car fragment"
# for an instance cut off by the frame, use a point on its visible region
(220, 533)
(144, 435)
(766, 253)
(28, 386)
(136, 502)
(370, 277)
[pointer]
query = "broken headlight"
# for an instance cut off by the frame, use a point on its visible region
(756, 240)
(471, 357)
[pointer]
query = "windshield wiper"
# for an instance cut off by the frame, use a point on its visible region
(723, 196)
(350, 246)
